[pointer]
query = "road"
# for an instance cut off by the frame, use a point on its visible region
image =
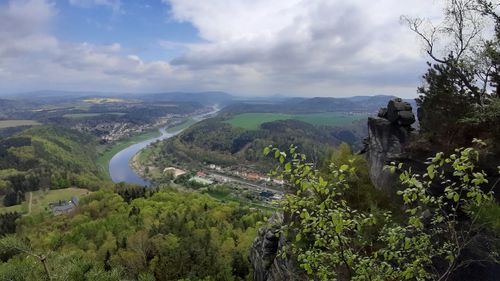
(241, 181)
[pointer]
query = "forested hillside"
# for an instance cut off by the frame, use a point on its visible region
(165, 235)
(46, 157)
(313, 105)
(215, 142)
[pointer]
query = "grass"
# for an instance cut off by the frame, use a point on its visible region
(329, 118)
(110, 151)
(87, 115)
(252, 121)
(183, 125)
(41, 200)
(16, 123)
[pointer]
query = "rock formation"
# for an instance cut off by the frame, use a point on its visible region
(387, 135)
(267, 265)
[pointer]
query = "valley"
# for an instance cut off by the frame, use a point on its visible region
(249, 140)
(197, 179)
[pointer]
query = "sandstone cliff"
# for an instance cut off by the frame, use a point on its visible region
(268, 266)
(388, 133)
(389, 137)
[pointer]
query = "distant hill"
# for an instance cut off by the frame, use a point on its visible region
(314, 105)
(59, 96)
(206, 98)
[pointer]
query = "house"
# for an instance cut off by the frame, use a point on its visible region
(64, 207)
(175, 172)
(266, 179)
(253, 176)
(215, 167)
(277, 181)
(201, 181)
(201, 174)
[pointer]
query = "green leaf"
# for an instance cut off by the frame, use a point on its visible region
(339, 228)
(298, 237)
(430, 171)
(288, 166)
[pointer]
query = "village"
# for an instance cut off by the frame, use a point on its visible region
(252, 185)
(110, 131)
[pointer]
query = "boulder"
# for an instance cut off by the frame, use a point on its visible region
(382, 112)
(399, 112)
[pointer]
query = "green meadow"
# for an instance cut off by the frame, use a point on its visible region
(39, 200)
(16, 123)
(252, 121)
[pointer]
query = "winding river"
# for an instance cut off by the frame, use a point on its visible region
(119, 166)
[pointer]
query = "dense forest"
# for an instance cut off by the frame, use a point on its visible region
(313, 105)
(157, 235)
(215, 142)
(46, 157)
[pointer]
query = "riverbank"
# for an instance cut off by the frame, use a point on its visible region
(119, 167)
(138, 162)
(105, 156)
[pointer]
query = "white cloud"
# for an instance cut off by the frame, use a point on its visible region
(32, 59)
(321, 47)
(333, 46)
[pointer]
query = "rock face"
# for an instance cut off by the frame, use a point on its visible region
(387, 135)
(263, 255)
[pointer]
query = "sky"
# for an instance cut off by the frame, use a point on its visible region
(243, 47)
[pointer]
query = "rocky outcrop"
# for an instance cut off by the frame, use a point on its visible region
(389, 137)
(267, 265)
(388, 133)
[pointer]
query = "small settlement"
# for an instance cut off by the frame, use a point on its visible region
(261, 186)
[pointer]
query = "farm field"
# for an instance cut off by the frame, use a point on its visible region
(41, 199)
(16, 123)
(252, 121)
(87, 115)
